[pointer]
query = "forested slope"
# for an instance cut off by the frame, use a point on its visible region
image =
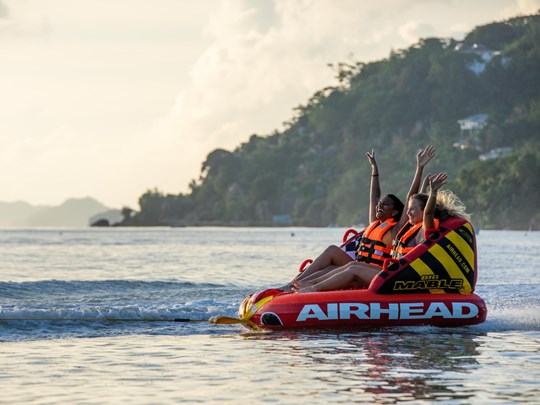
(315, 173)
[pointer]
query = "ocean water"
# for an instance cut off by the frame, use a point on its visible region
(86, 318)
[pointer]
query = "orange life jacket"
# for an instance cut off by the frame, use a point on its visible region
(372, 249)
(405, 239)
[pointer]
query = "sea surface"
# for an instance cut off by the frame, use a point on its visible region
(86, 318)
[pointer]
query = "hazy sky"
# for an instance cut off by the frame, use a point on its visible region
(108, 98)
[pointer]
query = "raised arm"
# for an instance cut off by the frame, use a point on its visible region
(375, 189)
(425, 184)
(422, 159)
(435, 183)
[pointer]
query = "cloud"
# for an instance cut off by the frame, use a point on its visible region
(259, 65)
(527, 6)
(412, 31)
(17, 21)
(125, 96)
(4, 11)
(253, 73)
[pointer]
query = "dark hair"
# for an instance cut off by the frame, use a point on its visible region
(398, 206)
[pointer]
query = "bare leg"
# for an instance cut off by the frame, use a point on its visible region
(316, 274)
(363, 273)
(320, 276)
(332, 256)
(313, 278)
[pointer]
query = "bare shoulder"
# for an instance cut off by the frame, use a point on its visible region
(419, 238)
(387, 238)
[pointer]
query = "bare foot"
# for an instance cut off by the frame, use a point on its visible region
(286, 288)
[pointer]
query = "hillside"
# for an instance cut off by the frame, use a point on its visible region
(477, 101)
(74, 212)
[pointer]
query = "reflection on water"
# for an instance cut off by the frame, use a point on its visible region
(385, 367)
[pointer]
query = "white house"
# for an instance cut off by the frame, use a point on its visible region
(484, 54)
(474, 122)
(480, 50)
(470, 124)
(495, 153)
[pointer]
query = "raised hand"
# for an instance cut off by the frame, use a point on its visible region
(437, 181)
(371, 158)
(425, 155)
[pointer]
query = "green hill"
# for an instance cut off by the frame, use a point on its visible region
(477, 101)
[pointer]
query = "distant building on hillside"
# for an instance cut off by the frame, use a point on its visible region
(483, 55)
(284, 219)
(472, 123)
(480, 50)
(495, 153)
(470, 126)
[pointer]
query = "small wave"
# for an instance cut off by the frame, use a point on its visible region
(524, 317)
(55, 285)
(116, 290)
(193, 309)
(52, 309)
(30, 323)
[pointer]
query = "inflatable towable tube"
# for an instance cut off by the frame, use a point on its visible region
(432, 285)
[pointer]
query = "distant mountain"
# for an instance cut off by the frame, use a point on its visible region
(74, 212)
(12, 213)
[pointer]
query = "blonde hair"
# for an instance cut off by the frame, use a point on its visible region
(450, 205)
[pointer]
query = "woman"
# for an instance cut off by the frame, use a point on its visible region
(386, 218)
(422, 213)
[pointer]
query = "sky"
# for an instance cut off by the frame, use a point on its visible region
(110, 98)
